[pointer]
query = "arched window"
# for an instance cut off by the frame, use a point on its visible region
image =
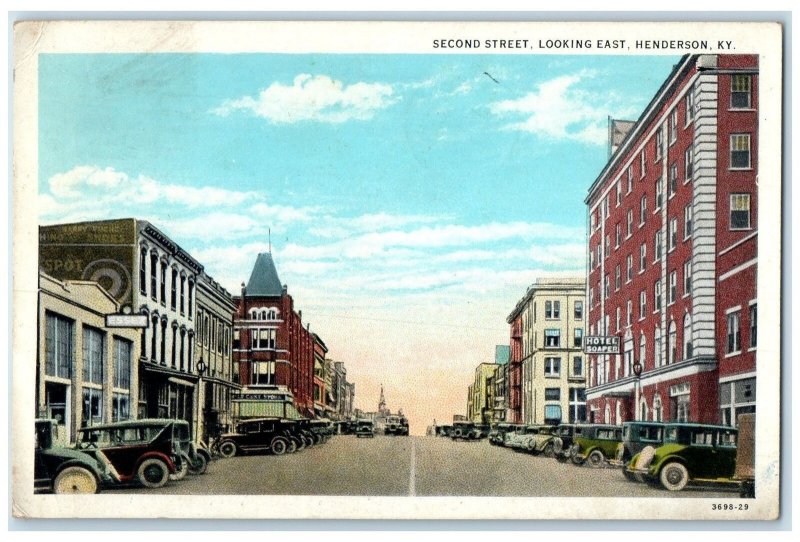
(254, 315)
(642, 350)
(687, 336)
(263, 315)
(672, 351)
(658, 414)
(608, 413)
(657, 348)
(272, 314)
(643, 409)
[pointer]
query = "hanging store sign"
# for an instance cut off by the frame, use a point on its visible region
(601, 344)
(126, 320)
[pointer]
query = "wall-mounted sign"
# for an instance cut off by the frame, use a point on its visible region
(601, 344)
(126, 320)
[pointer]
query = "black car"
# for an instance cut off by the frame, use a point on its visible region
(468, 431)
(564, 437)
(396, 425)
(65, 470)
(365, 428)
(276, 435)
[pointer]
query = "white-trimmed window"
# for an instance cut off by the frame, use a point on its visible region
(608, 246)
(617, 278)
(673, 126)
(629, 313)
(687, 336)
(740, 151)
(643, 210)
(642, 257)
(642, 304)
(690, 105)
(606, 292)
(577, 405)
(657, 295)
(642, 349)
(577, 366)
(93, 355)
(687, 278)
(657, 245)
(741, 91)
(687, 222)
(643, 163)
(552, 367)
(629, 268)
(578, 340)
(672, 351)
(262, 373)
(753, 325)
(673, 179)
(59, 352)
(143, 271)
(552, 338)
(688, 164)
(659, 193)
(154, 275)
(619, 191)
(734, 338)
(735, 398)
(740, 211)
(617, 235)
(673, 287)
(630, 222)
(552, 310)
(659, 142)
(673, 233)
(263, 338)
(578, 310)
(680, 402)
(630, 178)
(618, 317)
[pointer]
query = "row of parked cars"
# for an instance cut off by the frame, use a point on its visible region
(153, 451)
(667, 454)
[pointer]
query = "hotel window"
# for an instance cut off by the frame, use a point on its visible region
(741, 89)
(93, 355)
(734, 345)
(659, 193)
(672, 352)
(58, 346)
(688, 164)
(629, 313)
(552, 367)
(643, 210)
(642, 163)
(740, 211)
(690, 106)
(629, 268)
(659, 142)
(617, 236)
(153, 275)
(594, 221)
(673, 287)
(143, 271)
(642, 304)
(552, 338)
(577, 366)
(617, 278)
(630, 178)
(673, 179)
(591, 296)
(687, 222)
(578, 341)
(174, 289)
(578, 310)
(577, 405)
(657, 246)
(657, 295)
(740, 151)
(642, 257)
(552, 394)
(619, 191)
(753, 325)
(163, 283)
(687, 278)
(606, 292)
(673, 126)
(673, 234)
(687, 336)
(657, 347)
(608, 246)
(630, 222)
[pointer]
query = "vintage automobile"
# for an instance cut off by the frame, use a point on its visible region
(365, 428)
(444, 430)
(65, 470)
(467, 431)
(499, 431)
(143, 450)
(595, 444)
(396, 425)
(635, 436)
(275, 435)
(691, 452)
(518, 439)
(542, 442)
(321, 430)
(563, 437)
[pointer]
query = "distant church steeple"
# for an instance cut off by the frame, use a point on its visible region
(382, 402)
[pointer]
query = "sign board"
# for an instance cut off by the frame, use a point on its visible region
(258, 397)
(126, 320)
(601, 345)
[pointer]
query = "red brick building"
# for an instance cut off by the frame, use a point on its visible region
(271, 346)
(515, 367)
(672, 256)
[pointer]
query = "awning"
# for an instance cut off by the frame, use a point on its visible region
(181, 382)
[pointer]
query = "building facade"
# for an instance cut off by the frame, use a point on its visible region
(86, 373)
(551, 330)
(514, 414)
(480, 400)
(320, 389)
(145, 270)
(271, 347)
(672, 257)
(501, 359)
(214, 355)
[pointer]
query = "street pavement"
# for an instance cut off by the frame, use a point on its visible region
(402, 466)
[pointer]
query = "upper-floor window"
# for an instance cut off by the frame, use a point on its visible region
(629, 268)
(642, 209)
(687, 278)
(659, 142)
(552, 338)
(659, 193)
(741, 91)
(642, 163)
(630, 179)
(657, 295)
(688, 163)
(740, 151)
(263, 338)
(552, 366)
(740, 211)
(673, 179)
(753, 325)
(734, 338)
(642, 257)
(657, 246)
(579, 310)
(673, 233)
(174, 289)
(617, 278)
(578, 342)
(163, 283)
(153, 275)
(143, 271)
(617, 236)
(642, 304)
(183, 293)
(122, 363)
(552, 309)
(630, 222)
(690, 106)
(191, 298)
(673, 126)
(687, 221)
(619, 191)
(673, 287)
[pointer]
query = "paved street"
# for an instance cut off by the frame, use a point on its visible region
(411, 466)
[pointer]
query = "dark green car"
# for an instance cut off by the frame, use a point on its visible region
(691, 452)
(635, 436)
(595, 444)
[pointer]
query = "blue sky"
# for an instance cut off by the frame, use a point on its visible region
(411, 198)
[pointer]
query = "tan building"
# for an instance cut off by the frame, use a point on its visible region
(553, 363)
(86, 373)
(480, 401)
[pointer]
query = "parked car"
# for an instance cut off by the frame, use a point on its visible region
(444, 430)
(137, 450)
(499, 431)
(396, 425)
(635, 436)
(322, 430)
(519, 439)
(542, 442)
(365, 428)
(259, 434)
(467, 431)
(563, 438)
(595, 444)
(59, 469)
(691, 452)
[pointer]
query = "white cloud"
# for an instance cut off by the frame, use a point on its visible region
(557, 109)
(314, 98)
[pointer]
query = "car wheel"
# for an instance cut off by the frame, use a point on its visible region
(291, 446)
(596, 459)
(549, 450)
(562, 458)
(318, 439)
(75, 480)
(227, 449)
(199, 465)
(153, 473)
(674, 476)
(279, 446)
(180, 472)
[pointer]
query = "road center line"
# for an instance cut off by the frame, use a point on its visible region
(412, 475)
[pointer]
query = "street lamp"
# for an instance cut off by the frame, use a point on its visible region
(637, 370)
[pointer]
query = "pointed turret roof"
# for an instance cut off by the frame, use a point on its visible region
(264, 281)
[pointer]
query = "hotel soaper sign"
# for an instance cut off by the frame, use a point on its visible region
(601, 344)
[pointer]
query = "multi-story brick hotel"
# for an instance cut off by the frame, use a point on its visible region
(672, 253)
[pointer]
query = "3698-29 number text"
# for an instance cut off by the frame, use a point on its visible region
(729, 507)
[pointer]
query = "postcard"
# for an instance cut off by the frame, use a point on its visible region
(396, 270)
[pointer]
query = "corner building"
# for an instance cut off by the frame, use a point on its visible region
(672, 252)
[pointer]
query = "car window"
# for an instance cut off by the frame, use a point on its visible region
(727, 439)
(651, 433)
(703, 438)
(605, 434)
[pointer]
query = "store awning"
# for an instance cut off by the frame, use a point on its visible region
(181, 382)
